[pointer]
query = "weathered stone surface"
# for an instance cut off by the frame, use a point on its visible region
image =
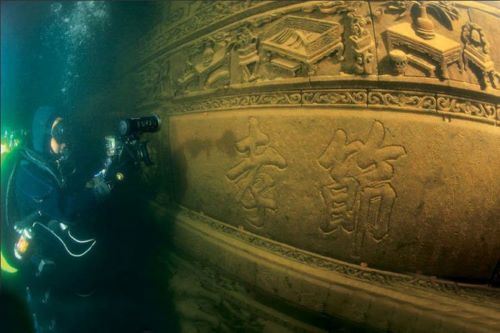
(413, 303)
(407, 210)
(356, 141)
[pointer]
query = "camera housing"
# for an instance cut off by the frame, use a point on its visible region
(127, 147)
(136, 126)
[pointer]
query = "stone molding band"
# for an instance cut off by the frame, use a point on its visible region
(332, 280)
(473, 293)
(445, 105)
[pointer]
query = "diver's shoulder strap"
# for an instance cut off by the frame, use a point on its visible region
(41, 162)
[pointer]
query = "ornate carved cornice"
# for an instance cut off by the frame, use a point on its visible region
(451, 106)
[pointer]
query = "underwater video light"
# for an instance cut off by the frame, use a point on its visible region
(11, 139)
(136, 126)
(130, 130)
(4, 148)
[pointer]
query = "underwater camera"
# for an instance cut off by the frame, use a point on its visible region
(130, 131)
(127, 146)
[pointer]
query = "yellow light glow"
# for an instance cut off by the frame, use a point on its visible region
(6, 267)
(22, 245)
(5, 149)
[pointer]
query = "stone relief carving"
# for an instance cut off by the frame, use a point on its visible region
(441, 51)
(208, 300)
(352, 98)
(332, 7)
(402, 99)
(282, 45)
(335, 97)
(444, 11)
(206, 64)
(279, 44)
(338, 97)
(250, 72)
(419, 41)
(211, 61)
(450, 104)
(254, 182)
(232, 102)
(172, 15)
(201, 14)
(294, 41)
(400, 61)
(360, 197)
(246, 46)
(154, 80)
(362, 44)
(477, 52)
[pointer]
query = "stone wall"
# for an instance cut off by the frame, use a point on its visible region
(341, 156)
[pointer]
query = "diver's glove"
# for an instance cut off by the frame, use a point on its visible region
(105, 180)
(99, 185)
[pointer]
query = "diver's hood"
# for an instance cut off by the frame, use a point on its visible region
(42, 122)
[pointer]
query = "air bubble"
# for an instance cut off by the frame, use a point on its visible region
(55, 7)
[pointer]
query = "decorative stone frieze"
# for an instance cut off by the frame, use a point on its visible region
(466, 107)
(404, 100)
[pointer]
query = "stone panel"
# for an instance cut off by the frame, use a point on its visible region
(375, 187)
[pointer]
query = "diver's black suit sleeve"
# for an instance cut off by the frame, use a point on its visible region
(37, 191)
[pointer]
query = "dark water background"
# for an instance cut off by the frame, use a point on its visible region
(64, 54)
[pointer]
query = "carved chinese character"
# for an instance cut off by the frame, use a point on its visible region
(360, 197)
(255, 183)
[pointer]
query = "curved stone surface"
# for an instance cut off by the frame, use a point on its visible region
(381, 300)
(350, 147)
(391, 190)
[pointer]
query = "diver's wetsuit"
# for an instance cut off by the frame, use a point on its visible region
(40, 186)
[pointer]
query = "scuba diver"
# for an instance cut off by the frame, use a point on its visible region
(44, 201)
